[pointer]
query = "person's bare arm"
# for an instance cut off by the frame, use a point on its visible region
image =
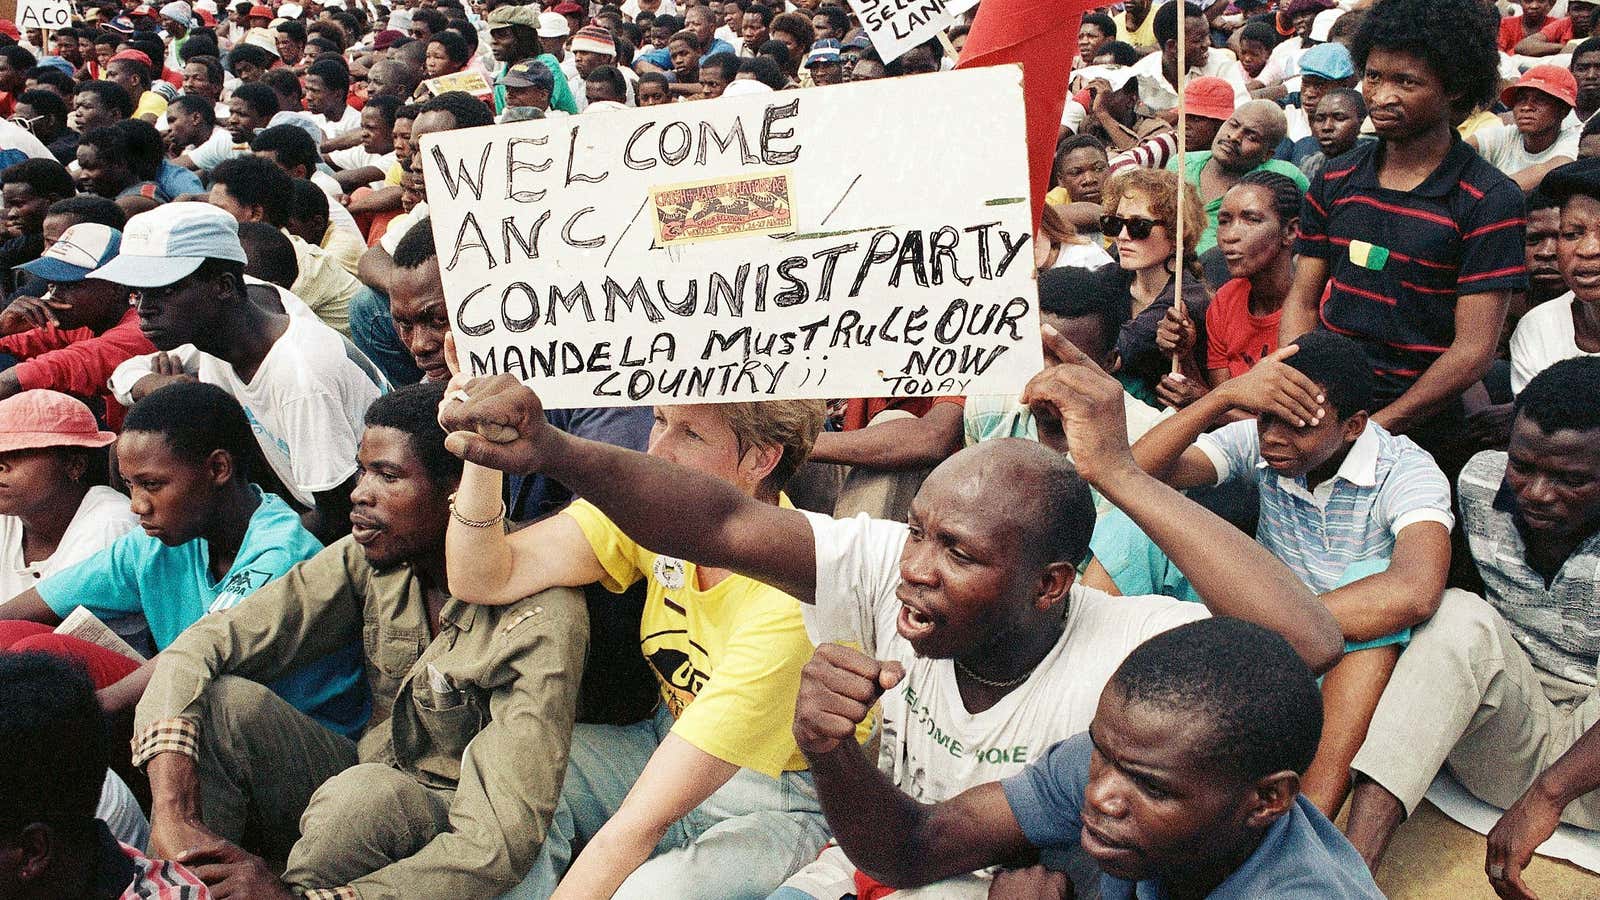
(678, 778)
(1528, 179)
(376, 268)
(1078, 404)
(350, 179)
(383, 199)
(125, 693)
(910, 443)
(342, 142)
(1536, 45)
(488, 566)
(1533, 818)
(1300, 306)
(889, 836)
(1479, 318)
(1405, 594)
(28, 606)
(671, 509)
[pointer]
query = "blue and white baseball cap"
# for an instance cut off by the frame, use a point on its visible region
(169, 242)
(824, 52)
(80, 250)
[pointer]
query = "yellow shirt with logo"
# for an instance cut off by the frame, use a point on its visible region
(727, 659)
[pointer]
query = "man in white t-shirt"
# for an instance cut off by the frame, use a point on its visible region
(1156, 72)
(1002, 653)
(1539, 139)
(194, 138)
(304, 388)
(1568, 325)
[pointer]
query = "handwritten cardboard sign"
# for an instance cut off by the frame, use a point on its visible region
(470, 81)
(895, 26)
(46, 14)
(801, 244)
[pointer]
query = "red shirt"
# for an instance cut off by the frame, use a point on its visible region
(1235, 339)
(1558, 31)
(78, 361)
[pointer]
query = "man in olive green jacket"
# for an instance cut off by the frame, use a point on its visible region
(451, 788)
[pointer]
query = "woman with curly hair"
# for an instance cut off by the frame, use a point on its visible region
(1413, 244)
(1141, 216)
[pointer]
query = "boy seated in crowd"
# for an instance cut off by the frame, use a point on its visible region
(1360, 515)
(211, 539)
(1502, 687)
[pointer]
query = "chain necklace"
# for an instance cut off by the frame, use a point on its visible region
(990, 682)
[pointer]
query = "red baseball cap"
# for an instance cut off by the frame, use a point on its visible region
(39, 418)
(261, 12)
(1209, 97)
(130, 53)
(1556, 81)
(9, 29)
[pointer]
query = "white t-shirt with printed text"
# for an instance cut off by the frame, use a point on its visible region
(932, 747)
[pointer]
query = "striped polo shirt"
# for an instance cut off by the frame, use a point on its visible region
(1385, 483)
(1397, 260)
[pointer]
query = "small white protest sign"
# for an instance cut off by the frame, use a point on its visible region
(46, 14)
(895, 26)
(801, 244)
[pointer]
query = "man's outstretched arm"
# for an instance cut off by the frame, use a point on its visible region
(673, 510)
(1077, 404)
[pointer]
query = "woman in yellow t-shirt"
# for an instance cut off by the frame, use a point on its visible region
(711, 797)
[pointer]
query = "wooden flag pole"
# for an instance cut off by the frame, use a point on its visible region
(1182, 73)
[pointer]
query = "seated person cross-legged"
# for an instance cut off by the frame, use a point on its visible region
(1502, 688)
(1004, 654)
(449, 789)
(1360, 515)
(1185, 784)
(709, 797)
(210, 540)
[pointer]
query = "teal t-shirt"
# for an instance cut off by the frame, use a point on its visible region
(560, 98)
(1194, 162)
(172, 587)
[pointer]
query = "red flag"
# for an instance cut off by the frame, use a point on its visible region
(1042, 35)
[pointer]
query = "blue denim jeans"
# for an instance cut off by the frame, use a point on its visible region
(742, 842)
(372, 331)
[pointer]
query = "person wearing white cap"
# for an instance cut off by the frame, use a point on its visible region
(305, 388)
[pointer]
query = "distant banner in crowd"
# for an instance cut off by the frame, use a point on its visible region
(808, 244)
(896, 26)
(46, 14)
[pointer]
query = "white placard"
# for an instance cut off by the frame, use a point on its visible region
(862, 240)
(895, 26)
(47, 14)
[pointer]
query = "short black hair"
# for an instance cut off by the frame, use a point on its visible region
(416, 247)
(1261, 32)
(270, 254)
(1540, 200)
(254, 181)
(213, 66)
(44, 177)
(1166, 23)
(726, 62)
(839, 20)
(285, 82)
(252, 55)
(200, 106)
(1072, 292)
(90, 208)
(262, 100)
(762, 10)
(1121, 52)
(658, 78)
(140, 70)
(455, 46)
(309, 200)
(111, 95)
(670, 22)
(57, 743)
(1454, 38)
(1099, 20)
(145, 147)
(1259, 696)
(50, 75)
(385, 106)
(765, 70)
(778, 52)
(432, 18)
(1589, 45)
(1070, 142)
(414, 409)
(200, 45)
(197, 419)
(292, 145)
(294, 29)
(467, 110)
(45, 103)
(1581, 178)
(19, 57)
(1562, 397)
(334, 74)
(1338, 366)
(611, 76)
(1354, 96)
(1286, 195)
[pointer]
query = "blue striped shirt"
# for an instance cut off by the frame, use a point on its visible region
(1385, 483)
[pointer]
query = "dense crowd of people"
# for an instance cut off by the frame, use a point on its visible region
(1302, 510)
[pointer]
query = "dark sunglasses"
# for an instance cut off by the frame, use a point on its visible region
(1138, 229)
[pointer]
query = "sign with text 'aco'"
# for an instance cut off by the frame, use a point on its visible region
(864, 240)
(46, 14)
